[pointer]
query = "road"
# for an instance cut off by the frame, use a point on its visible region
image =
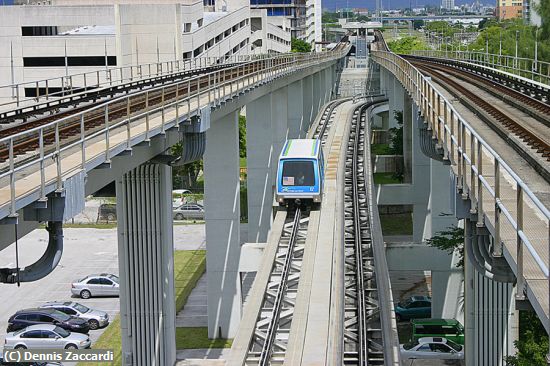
(86, 251)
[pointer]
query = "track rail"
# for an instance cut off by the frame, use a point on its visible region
(363, 343)
(512, 94)
(530, 137)
(269, 341)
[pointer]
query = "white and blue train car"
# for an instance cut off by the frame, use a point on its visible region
(301, 172)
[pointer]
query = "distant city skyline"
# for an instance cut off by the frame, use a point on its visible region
(389, 4)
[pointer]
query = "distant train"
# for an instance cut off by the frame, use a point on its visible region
(301, 172)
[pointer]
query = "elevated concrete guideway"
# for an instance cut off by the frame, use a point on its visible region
(131, 149)
(505, 214)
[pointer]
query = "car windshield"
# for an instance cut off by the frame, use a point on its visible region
(18, 332)
(81, 308)
(62, 332)
(410, 345)
(454, 346)
(114, 278)
(298, 173)
(82, 279)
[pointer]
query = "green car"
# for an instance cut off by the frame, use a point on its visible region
(414, 307)
(447, 328)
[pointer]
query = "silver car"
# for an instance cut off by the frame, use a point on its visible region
(46, 336)
(103, 284)
(432, 348)
(96, 318)
(189, 211)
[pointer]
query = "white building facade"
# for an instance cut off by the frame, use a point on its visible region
(69, 37)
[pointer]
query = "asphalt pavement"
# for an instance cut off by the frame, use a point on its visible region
(86, 251)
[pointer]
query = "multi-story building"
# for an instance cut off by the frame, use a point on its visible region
(509, 9)
(70, 37)
(301, 17)
(448, 4)
(530, 14)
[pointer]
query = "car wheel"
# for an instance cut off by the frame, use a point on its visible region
(397, 318)
(85, 294)
(20, 347)
(179, 217)
(94, 324)
(71, 346)
(111, 217)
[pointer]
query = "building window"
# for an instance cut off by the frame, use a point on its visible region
(39, 31)
(71, 61)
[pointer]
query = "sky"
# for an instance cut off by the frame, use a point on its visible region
(387, 4)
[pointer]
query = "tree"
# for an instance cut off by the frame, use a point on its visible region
(396, 135)
(406, 45)
(242, 136)
(543, 8)
(532, 344)
(450, 240)
(417, 24)
(298, 45)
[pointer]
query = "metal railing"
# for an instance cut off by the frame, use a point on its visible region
(535, 70)
(519, 218)
(70, 85)
(53, 150)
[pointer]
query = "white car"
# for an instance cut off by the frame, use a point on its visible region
(103, 284)
(432, 348)
(95, 318)
(46, 336)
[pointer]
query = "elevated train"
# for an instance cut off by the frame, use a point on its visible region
(301, 172)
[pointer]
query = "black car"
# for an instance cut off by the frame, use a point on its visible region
(106, 212)
(27, 317)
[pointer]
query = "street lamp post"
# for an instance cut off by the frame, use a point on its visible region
(516, 58)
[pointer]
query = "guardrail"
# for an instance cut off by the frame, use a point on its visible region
(218, 89)
(47, 89)
(533, 69)
(468, 151)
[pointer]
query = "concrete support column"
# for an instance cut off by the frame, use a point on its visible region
(146, 266)
(279, 123)
(260, 161)
(222, 206)
(491, 319)
(317, 94)
(397, 96)
(328, 83)
(408, 126)
(420, 181)
(295, 111)
(308, 104)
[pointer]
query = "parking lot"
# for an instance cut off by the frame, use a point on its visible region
(86, 251)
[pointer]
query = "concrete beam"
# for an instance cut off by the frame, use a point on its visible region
(295, 109)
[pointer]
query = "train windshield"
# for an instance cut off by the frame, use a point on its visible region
(298, 173)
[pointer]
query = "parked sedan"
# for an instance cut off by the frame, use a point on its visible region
(103, 284)
(46, 336)
(414, 307)
(95, 318)
(432, 348)
(28, 317)
(189, 211)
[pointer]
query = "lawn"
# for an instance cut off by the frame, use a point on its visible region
(197, 337)
(397, 224)
(385, 178)
(380, 149)
(189, 266)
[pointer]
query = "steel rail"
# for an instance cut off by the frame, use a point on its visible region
(530, 137)
(267, 349)
(357, 189)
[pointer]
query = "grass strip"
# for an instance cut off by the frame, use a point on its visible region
(197, 337)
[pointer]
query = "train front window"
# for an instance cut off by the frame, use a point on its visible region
(298, 173)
